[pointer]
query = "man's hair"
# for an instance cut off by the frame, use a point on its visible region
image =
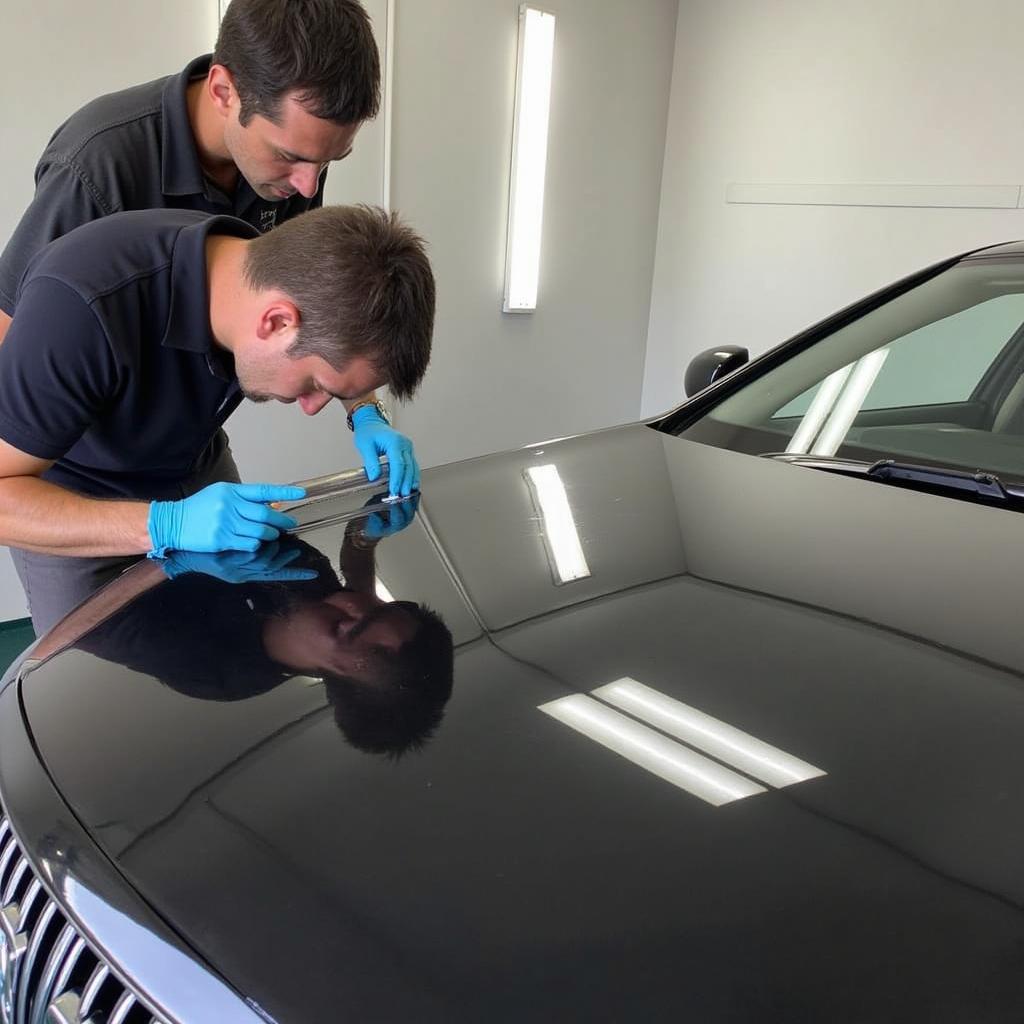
(405, 705)
(323, 50)
(363, 286)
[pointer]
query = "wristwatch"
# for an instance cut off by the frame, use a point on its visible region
(376, 403)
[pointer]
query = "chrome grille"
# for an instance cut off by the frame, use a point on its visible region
(49, 974)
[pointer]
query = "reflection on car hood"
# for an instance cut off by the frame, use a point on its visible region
(516, 868)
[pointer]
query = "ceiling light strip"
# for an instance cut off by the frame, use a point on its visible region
(714, 737)
(663, 757)
(529, 158)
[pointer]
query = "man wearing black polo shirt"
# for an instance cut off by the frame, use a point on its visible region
(248, 132)
(117, 373)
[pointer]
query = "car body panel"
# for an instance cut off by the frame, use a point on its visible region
(516, 869)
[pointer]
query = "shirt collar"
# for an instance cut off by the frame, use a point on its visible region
(181, 174)
(188, 325)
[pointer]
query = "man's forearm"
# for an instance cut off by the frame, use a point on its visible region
(5, 322)
(40, 516)
(357, 562)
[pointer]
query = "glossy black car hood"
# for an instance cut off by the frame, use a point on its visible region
(515, 869)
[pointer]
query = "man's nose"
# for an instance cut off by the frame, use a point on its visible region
(305, 178)
(313, 403)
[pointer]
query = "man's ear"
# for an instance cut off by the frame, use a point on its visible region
(279, 321)
(220, 87)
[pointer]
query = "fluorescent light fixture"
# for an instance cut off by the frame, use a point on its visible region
(561, 537)
(382, 592)
(728, 744)
(667, 759)
(818, 411)
(849, 403)
(529, 157)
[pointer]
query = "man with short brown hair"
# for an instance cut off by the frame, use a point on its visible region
(248, 131)
(117, 374)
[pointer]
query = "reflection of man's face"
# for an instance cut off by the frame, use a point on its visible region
(347, 634)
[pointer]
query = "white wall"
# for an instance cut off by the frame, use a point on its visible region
(501, 380)
(911, 91)
(53, 63)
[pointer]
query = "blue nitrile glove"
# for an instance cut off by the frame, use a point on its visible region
(386, 522)
(268, 564)
(221, 517)
(374, 437)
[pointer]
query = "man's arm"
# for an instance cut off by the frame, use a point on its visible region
(40, 516)
(356, 560)
(5, 322)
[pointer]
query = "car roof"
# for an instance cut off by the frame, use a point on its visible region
(1003, 249)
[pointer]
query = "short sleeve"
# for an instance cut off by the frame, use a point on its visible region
(63, 200)
(57, 371)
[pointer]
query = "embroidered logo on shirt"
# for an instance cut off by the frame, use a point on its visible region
(268, 218)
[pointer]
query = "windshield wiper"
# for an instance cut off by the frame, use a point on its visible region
(980, 485)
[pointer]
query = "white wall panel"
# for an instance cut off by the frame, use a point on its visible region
(815, 112)
(500, 380)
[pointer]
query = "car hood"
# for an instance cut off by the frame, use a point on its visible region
(515, 868)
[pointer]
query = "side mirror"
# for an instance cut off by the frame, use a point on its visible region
(713, 364)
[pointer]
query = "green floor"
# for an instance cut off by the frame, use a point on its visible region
(15, 636)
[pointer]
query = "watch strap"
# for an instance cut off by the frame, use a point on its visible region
(376, 403)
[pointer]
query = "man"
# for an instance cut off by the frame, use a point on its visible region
(247, 132)
(134, 339)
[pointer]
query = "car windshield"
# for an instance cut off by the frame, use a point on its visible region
(933, 377)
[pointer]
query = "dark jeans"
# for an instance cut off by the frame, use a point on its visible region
(55, 584)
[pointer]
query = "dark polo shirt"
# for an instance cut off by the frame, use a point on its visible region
(110, 367)
(129, 150)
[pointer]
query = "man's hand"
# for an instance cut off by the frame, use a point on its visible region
(386, 522)
(221, 517)
(373, 438)
(268, 564)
